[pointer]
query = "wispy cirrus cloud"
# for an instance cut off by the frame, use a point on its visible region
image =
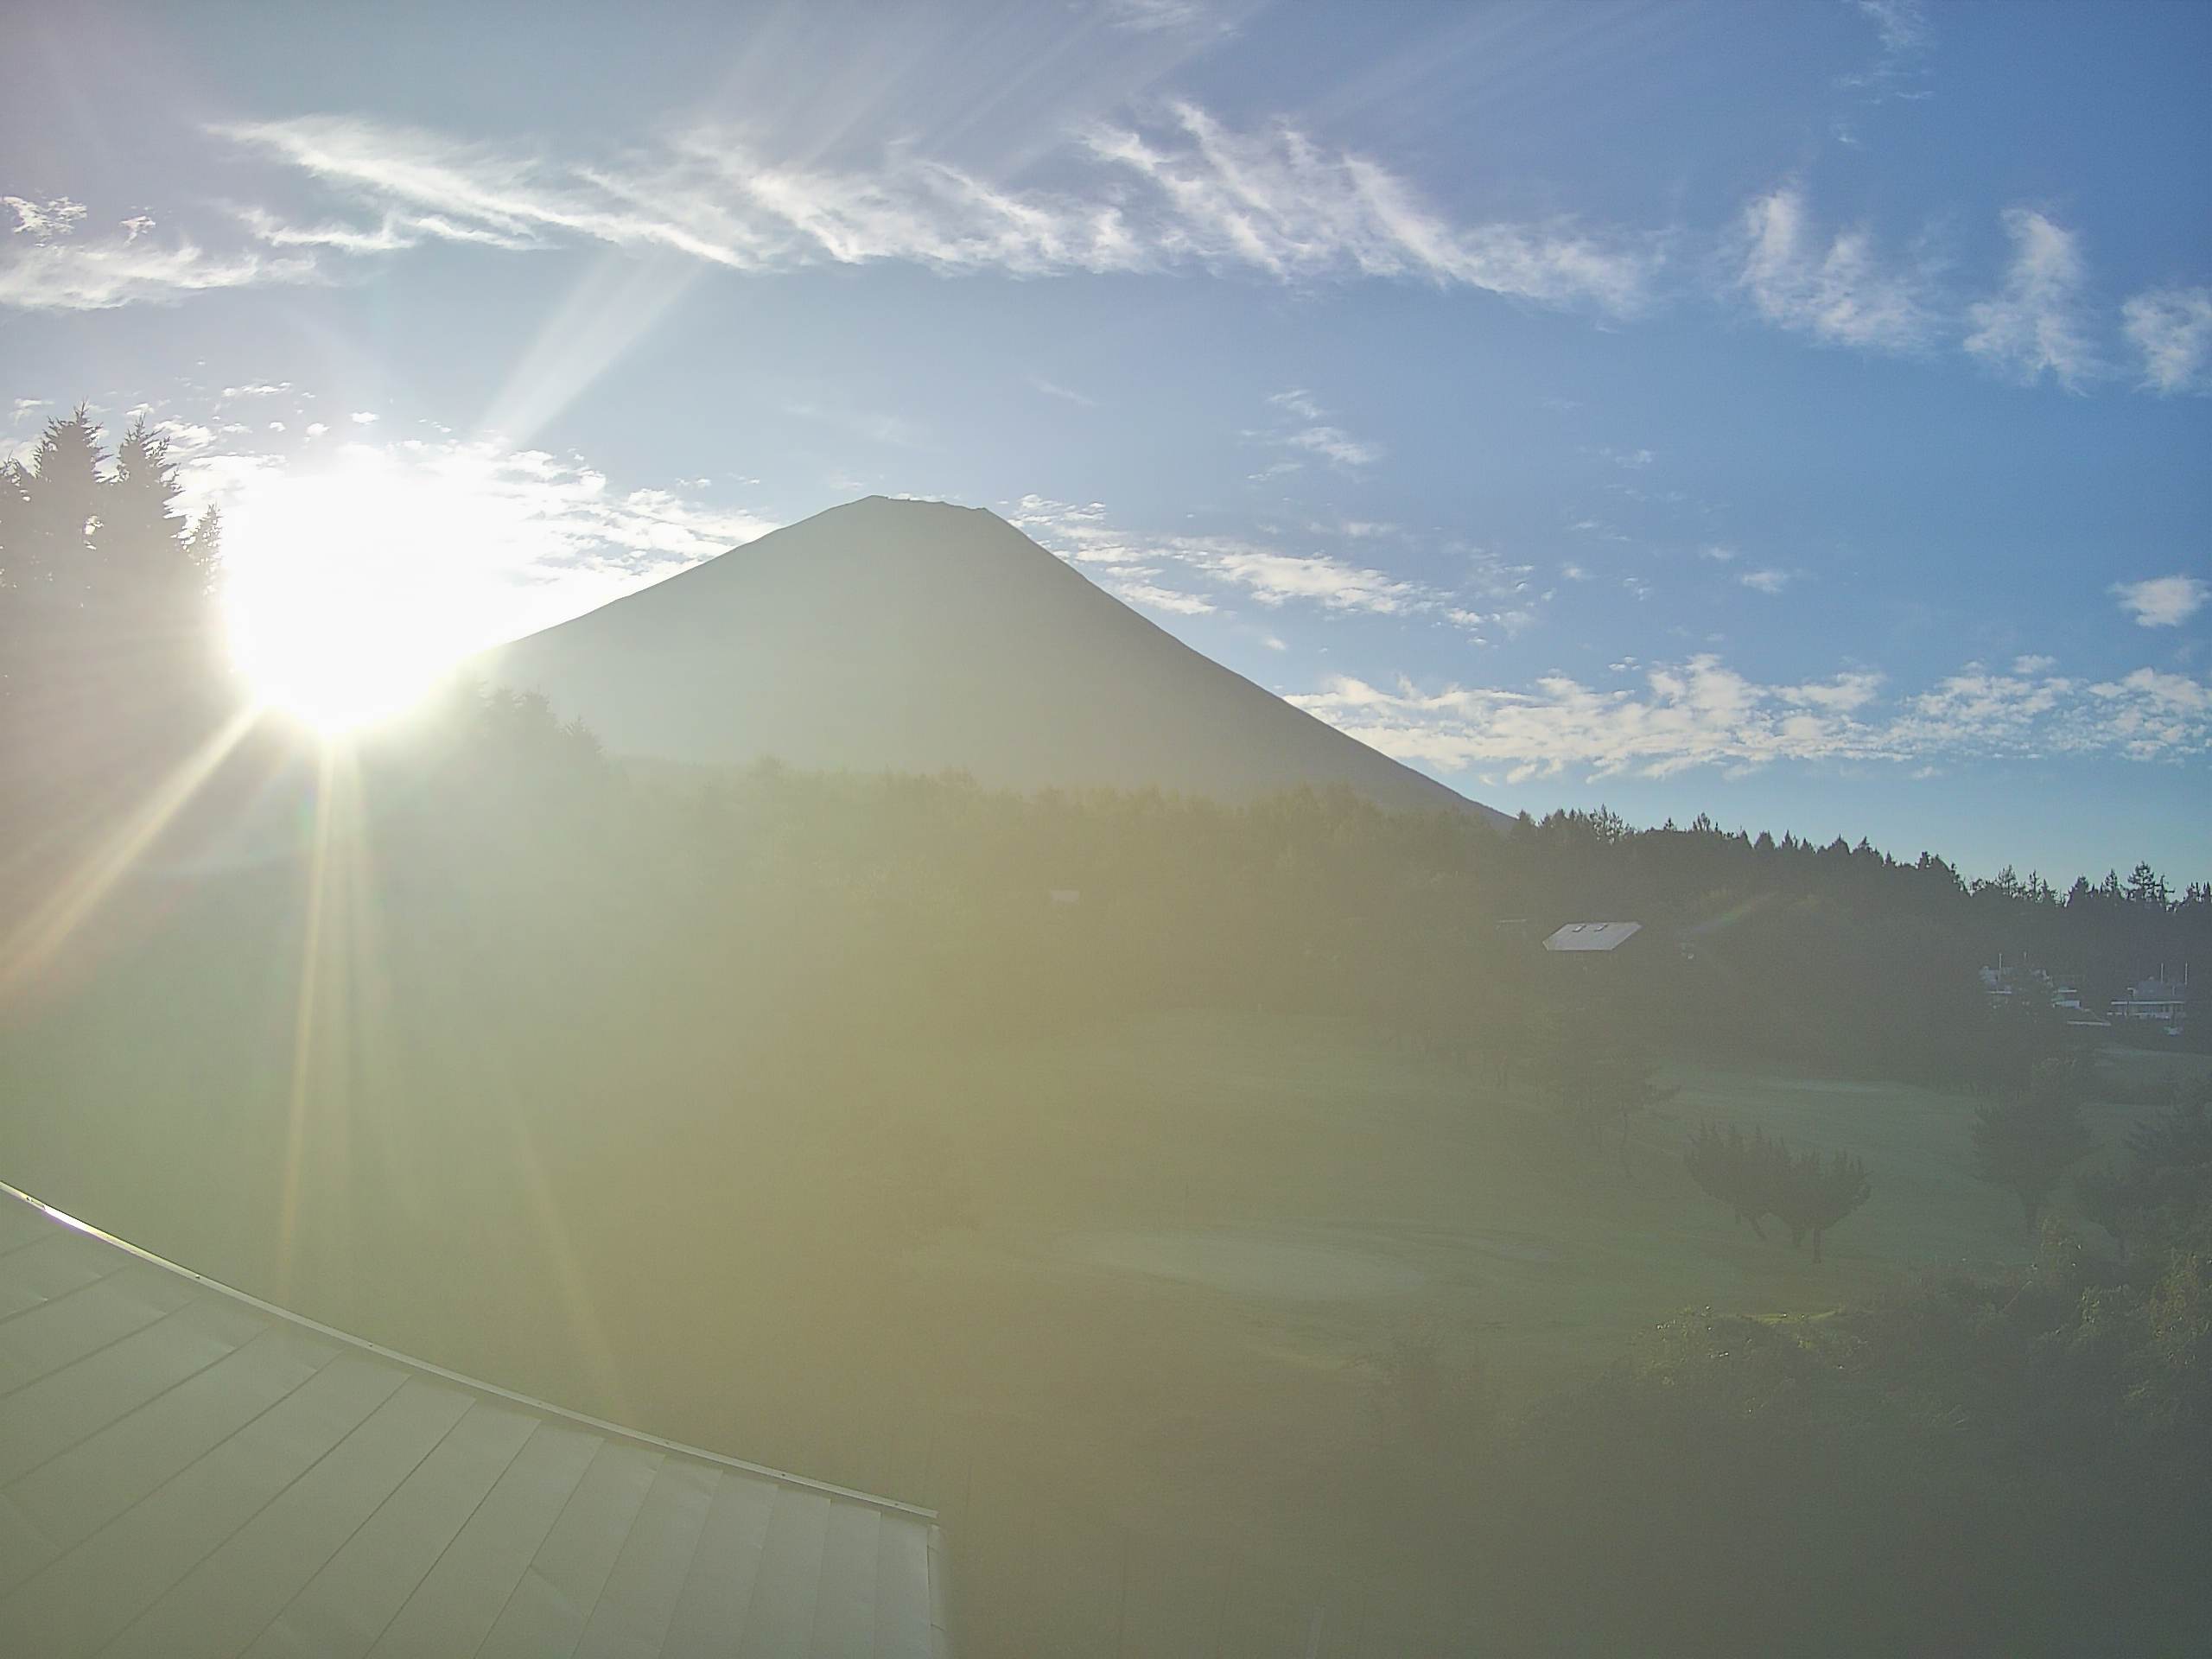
(1904, 39)
(42, 221)
(2034, 323)
(2170, 329)
(1132, 562)
(1065, 394)
(1185, 191)
(1839, 289)
(2163, 601)
(1164, 16)
(45, 265)
(1208, 571)
(1305, 430)
(1701, 713)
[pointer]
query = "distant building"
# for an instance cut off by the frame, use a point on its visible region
(2009, 983)
(1593, 936)
(2156, 1001)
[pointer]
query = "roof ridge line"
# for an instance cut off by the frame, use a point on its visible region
(783, 1477)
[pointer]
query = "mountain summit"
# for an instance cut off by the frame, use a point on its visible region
(913, 636)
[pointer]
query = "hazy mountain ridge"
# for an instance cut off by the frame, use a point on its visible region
(914, 636)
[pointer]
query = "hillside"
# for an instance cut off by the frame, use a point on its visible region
(913, 636)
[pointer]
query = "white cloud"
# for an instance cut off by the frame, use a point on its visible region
(1701, 713)
(2033, 323)
(2171, 328)
(393, 233)
(1161, 16)
(1839, 292)
(1053, 389)
(44, 269)
(2154, 716)
(44, 221)
(1333, 443)
(1715, 551)
(1901, 29)
(1185, 192)
(1135, 590)
(1132, 565)
(1765, 581)
(363, 417)
(2163, 601)
(2034, 664)
(1316, 436)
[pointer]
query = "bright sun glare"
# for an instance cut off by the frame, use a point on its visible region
(351, 592)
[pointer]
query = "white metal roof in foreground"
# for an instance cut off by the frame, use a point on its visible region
(1592, 936)
(187, 1470)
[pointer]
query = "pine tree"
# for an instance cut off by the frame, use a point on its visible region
(140, 535)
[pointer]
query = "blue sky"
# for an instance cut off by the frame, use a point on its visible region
(1796, 413)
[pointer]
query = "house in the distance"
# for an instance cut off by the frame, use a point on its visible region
(1592, 937)
(2013, 983)
(2160, 1001)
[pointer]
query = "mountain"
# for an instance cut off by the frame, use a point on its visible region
(911, 636)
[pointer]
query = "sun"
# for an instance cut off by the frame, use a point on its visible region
(350, 593)
(331, 651)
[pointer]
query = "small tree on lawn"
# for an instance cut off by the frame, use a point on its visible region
(1816, 1193)
(1756, 1176)
(1738, 1169)
(2165, 1180)
(2026, 1145)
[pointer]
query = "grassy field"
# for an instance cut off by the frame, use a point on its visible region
(1138, 1371)
(1111, 1304)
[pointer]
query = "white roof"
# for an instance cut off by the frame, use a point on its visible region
(1592, 936)
(187, 1470)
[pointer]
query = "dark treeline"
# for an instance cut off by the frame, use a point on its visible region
(879, 892)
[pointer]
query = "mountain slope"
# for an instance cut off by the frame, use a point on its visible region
(913, 636)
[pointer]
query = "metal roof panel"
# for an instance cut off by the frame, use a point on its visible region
(185, 1470)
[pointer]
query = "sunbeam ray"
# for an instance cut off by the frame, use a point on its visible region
(31, 947)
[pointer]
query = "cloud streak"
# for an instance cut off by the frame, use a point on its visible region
(44, 266)
(1702, 714)
(2034, 323)
(1185, 192)
(2170, 329)
(1310, 433)
(1210, 571)
(1838, 290)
